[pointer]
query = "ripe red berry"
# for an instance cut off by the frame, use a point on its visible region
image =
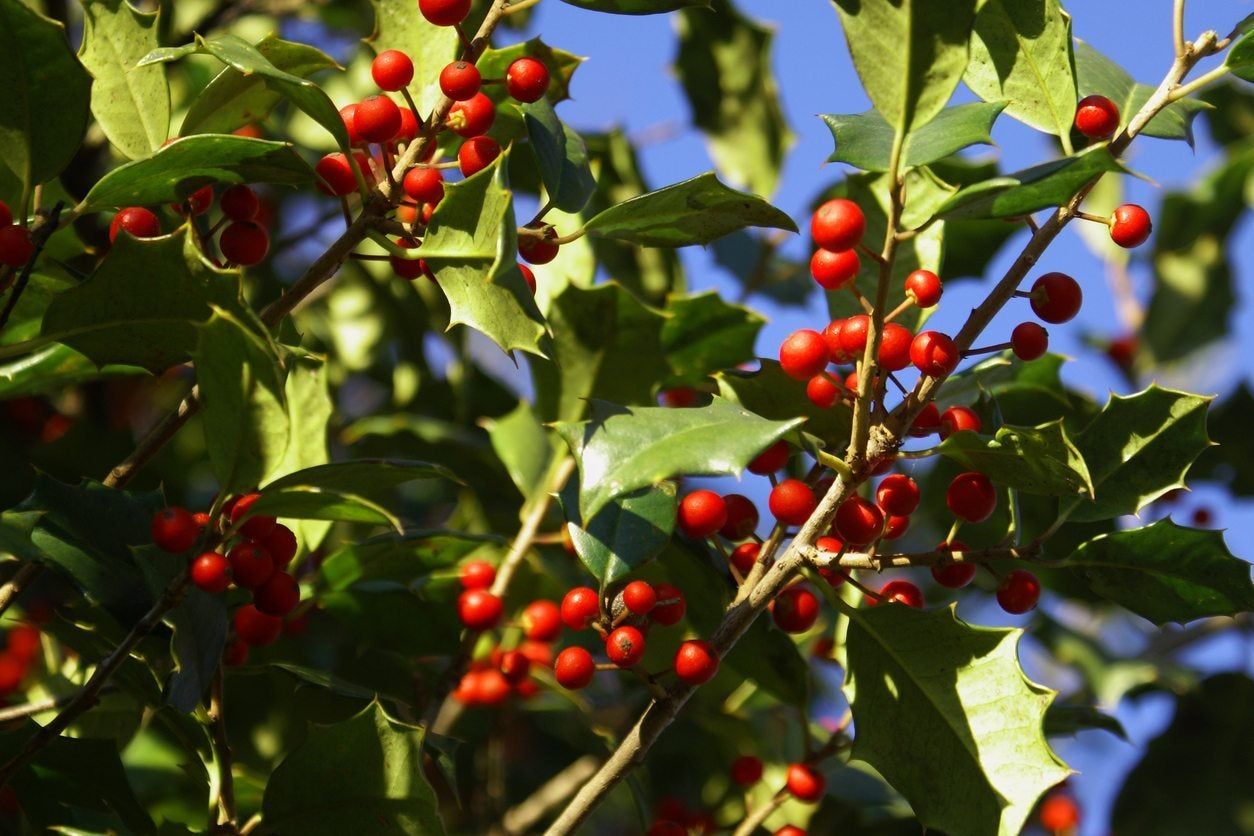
(924, 287)
(6, 214)
(377, 119)
(278, 596)
(625, 646)
(174, 530)
(795, 610)
(477, 574)
(959, 419)
(257, 526)
(245, 243)
(831, 333)
(895, 526)
(838, 225)
(746, 770)
(1059, 813)
(335, 175)
(476, 154)
(823, 392)
(1130, 226)
(16, 246)
(859, 522)
(833, 270)
(898, 494)
(209, 573)
(853, 336)
(392, 70)
(803, 354)
(928, 421)
(409, 132)
(472, 117)
(900, 592)
(639, 597)
(789, 830)
(971, 496)
(255, 628)
(1097, 117)
(23, 642)
(895, 345)
(538, 249)
(579, 607)
(479, 609)
(953, 575)
(514, 666)
(282, 545)
(197, 203)
(542, 621)
(251, 565)
(460, 81)
(235, 654)
(1029, 341)
(792, 502)
(239, 203)
(771, 460)
(742, 517)
(744, 556)
(1056, 297)
(444, 12)
(1018, 592)
(425, 185)
(346, 116)
(670, 605)
(138, 221)
(701, 513)
(574, 668)
(696, 662)
(527, 79)
(528, 276)
(805, 782)
(934, 354)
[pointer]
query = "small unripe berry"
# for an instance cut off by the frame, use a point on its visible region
(838, 225)
(742, 517)
(639, 597)
(959, 419)
(245, 243)
(527, 79)
(792, 502)
(696, 662)
(239, 203)
(542, 621)
(701, 514)
(898, 494)
(377, 119)
(900, 592)
(803, 354)
(971, 496)
(1018, 592)
(574, 668)
(771, 460)
(795, 609)
(805, 783)
(625, 646)
(859, 522)
(209, 573)
(174, 530)
(16, 246)
(934, 354)
(924, 287)
(472, 117)
(579, 607)
(746, 770)
(1056, 297)
(1029, 341)
(834, 270)
(444, 12)
(136, 220)
(251, 565)
(278, 596)
(460, 81)
(1097, 117)
(670, 605)
(477, 574)
(255, 628)
(1130, 226)
(392, 70)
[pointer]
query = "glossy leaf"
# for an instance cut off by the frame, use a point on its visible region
(1039, 187)
(1037, 460)
(623, 449)
(562, 155)
(1001, 375)
(772, 394)
(628, 531)
(958, 693)
(131, 103)
(1165, 572)
(703, 334)
(309, 411)
(865, 140)
(971, 244)
(1097, 74)
(399, 25)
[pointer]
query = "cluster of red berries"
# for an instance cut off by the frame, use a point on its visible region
(16, 244)
(244, 240)
(257, 550)
(1097, 117)
(20, 652)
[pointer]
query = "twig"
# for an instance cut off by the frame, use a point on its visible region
(226, 816)
(27, 574)
(523, 817)
(30, 709)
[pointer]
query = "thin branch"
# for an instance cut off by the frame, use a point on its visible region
(30, 709)
(523, 817)
(226, 815)
(1177, 29)
(26, 574)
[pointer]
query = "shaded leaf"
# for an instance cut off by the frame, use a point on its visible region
(635, 7)
(628, 531)
(562, 155)
(703, 334)
(772, 394)
(401, 559)
(1038, 460)
(1039, 187)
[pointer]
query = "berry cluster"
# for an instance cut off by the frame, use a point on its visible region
(244, 240)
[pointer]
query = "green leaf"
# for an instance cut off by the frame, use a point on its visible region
(971, 245)
(471, 245)
(562, 155)
(46, 105)
(1039, 187)
(1037, 460)
(910, 54)
(865, 140)
(696, 211)
(244, 408)
(131, 103)
(772, 394)
(236, 52)
(399, 25)
(1138, 448)
(560, 63)
(626, 533)
(402, 559)
(635, 7)
(309, 411)
(188, 164)
(1203, 758)
(1240, 60)
(703, 334)
(368, 768)
(143, 303)
(1164, 572)
(956, 692)
(235, 98)
(1069, 720)
(724, 65)
(998, 376)
(521, 443)
(1021, 54)
(623, 449)
(200, 623)
(1097, 74)
(1229, 461)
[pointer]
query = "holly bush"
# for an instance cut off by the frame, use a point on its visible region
(289, 549)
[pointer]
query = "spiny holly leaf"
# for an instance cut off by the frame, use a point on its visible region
(46, 104)
(1000, 375)
(1038, 460)
(235, 98)
(560, 63)
(309, 410)
(724, 65)
(772, 394)
(402, 559)
(1098, 75)
(142, 304)
(1039, 187)
(188, 164)
(1138, 448)
(635, 7)
(625, 533)
(1021, 54)
(399, 25)
(623, 449)
(703, 334)
(471, 245)
(865, 140)
(909, 54)
(367, 768)
(131, 103)
(52, 368)
(923, 681)
(696, 211)
(1164, 572)
(562, 155)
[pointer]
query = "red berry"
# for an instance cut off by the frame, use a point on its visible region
(898, 494)
(245, 243)
(235, 654)
(281, 543)
(515, 666)
(12, 672)
(924, 287)
(542, 621)
(701, 514)
(174, 530)
(953, 575)
(539, 653)
(6, 214)
(625, 646)
(803, 354)
(971, 496)
(695, 662)
(928, 421)
(425, 185)
(1029, 341)
(409, 131)
(444, 12)
(744, 556)
(805, 782)
(1097, 117)
(346, 116)
(1130, 226)
(528, 276)
(1059, 813)
(197, 203)
(823, 392)
(838, 225)
(256, 526)
(138, 221)
(934, 354)
(538, 249)
(853, 336)
(255, 628)
(959, 419)
(1056, 297)
(831, 333)
(639, 597)
(859, 522)
(278, 596)
(900, 592)
(771, 460)
(377, 119)
(895, 345)
(460, 81)
(792, 502)
(670, 605)
(239, 203)
(795, 610)
(477, 574)
(16, 246)
(335, 175)
(896, 526)
(1018, 592)
(479, 609)
(209, 572)
(491, 687)
(833, 270)
(527, 79)
(746, 770)
(23, 642)
(789, 830)
(666, 827)
(472, 117)
(251, 565)
(574, 668)
(579, 607)
(742, 517)
(392, 70)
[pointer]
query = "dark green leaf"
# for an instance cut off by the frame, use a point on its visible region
(309, 411)
(1001, 375)
(1229, 461)
(401, 559)
(703, 334)
(1068, 720)
(865, 140)
(131, 103)
(1240, 60)
(627, 532)
(562, 155)
(1097, 74)
(772, 394)
(200, 623)
(1039, 187)
(1037, 460)
(561, 65)
(635, 7)
(971, 245)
